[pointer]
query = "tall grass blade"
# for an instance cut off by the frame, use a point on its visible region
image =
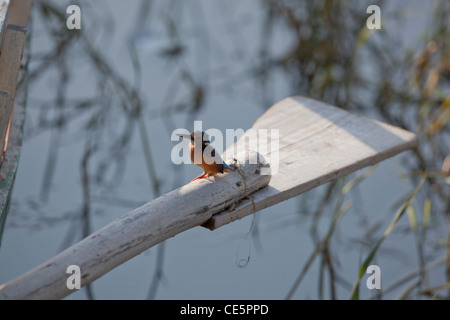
(412, 218)
(322, 246)
(398, 215)
(426, 213)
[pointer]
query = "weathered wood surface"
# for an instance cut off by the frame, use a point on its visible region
(19, 12)
(4, 4)
(10, 161)
(317, 144)
(12, 110)
(10, 61)
(162, 218)
(11, 51)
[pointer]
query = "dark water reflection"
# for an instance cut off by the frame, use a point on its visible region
(104, 100)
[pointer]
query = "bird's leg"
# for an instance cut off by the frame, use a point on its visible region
(202, 176)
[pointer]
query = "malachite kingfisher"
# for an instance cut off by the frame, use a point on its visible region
(204, 155)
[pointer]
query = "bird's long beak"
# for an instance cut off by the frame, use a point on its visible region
(185, 136)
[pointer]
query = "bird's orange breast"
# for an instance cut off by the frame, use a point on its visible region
(208, 168)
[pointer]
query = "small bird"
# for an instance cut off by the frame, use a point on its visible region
(208, 159)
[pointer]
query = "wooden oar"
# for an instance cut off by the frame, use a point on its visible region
(316, 144)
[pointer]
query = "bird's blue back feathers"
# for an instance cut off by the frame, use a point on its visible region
(225, 166)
